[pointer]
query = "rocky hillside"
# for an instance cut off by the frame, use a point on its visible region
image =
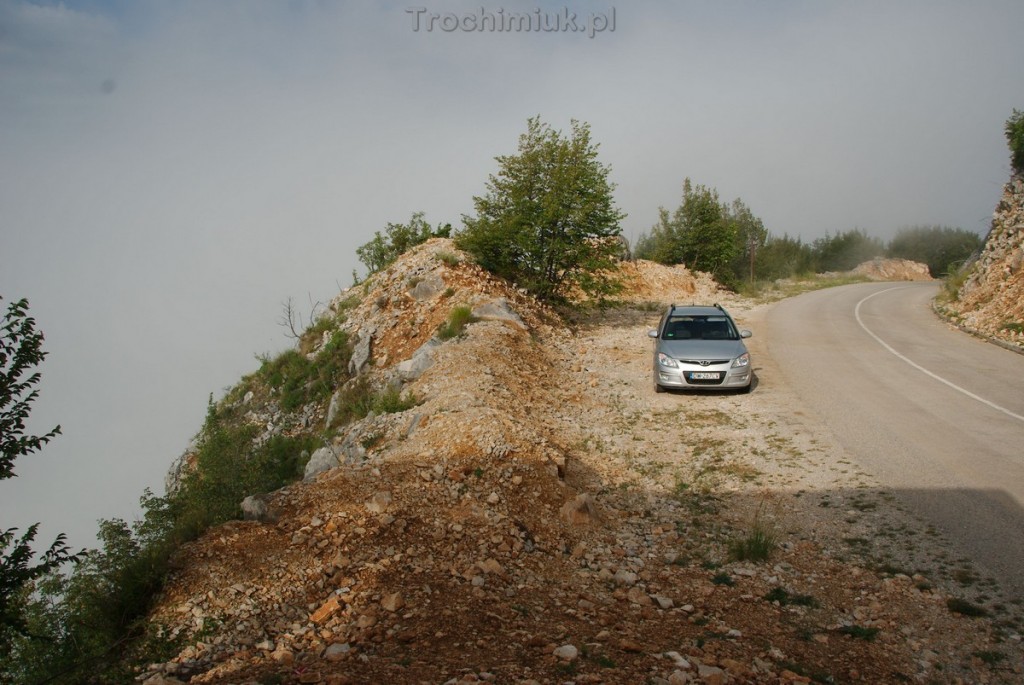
(541, 516)
(991, 300)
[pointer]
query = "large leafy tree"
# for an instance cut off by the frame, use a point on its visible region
(20, 353)
(548, 220)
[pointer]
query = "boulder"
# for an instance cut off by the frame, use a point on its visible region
(498, 310)
(360, 360)
(324, 459)
(428, 288)
(421, 360)
(254, 508)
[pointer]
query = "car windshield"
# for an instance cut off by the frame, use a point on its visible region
(699, 328)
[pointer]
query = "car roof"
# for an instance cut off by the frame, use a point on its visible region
(696, 310)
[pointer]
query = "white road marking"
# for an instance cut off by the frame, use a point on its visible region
(856, 313)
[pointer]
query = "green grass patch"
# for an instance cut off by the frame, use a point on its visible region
(357, 399)
(392, 401)
(723, 578)
(990, 657)
(448, 258)
(458, 319)
(757, 545)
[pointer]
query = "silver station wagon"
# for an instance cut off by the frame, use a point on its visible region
(700, 348)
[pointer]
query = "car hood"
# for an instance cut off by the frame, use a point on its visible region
(702, 349)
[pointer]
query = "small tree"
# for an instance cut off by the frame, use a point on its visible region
(1015, 139)
(20, 352)
(751, 237)
(548, 220)
(702, 233)
(784, 257)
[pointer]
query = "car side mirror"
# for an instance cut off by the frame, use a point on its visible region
(745, 333)
(652, 334)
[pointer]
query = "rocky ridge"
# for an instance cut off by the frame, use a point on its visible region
(541, 516)
(991, 299)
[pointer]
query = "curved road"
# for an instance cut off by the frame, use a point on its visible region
(933, 413)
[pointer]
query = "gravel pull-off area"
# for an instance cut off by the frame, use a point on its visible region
(542, 516)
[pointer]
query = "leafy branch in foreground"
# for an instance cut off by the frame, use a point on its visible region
(20, 353)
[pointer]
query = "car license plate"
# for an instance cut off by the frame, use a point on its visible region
(705, 375)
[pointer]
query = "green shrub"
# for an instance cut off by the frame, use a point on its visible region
(355, 400)
(952, 284)
(1015, 139)
(397, 239)
(860, 632)
(300, 380)
(784, 598)
(92, 617)
(965, 608)
(287, 374)
(723, 578)
(312, 336)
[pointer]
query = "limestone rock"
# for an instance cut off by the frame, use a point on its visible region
(254, 508)
(324, 459)
(498, 310)
(392, 602)
(567, 653)
(360, 359)
(580, 511)
(421, 360)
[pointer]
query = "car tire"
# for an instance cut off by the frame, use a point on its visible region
(658, 388)
(746, 389)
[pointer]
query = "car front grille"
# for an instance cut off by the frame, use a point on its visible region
(704, 362)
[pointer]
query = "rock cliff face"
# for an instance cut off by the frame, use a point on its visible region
(991, 300)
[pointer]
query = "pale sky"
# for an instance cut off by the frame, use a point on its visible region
(171, 172)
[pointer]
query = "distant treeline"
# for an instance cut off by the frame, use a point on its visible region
(729, 242)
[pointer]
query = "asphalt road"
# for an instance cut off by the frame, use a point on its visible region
(933, 413)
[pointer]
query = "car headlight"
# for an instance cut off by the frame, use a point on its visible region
(741, 360)
(665, 360)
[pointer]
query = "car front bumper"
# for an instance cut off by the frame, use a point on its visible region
(689, 376)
